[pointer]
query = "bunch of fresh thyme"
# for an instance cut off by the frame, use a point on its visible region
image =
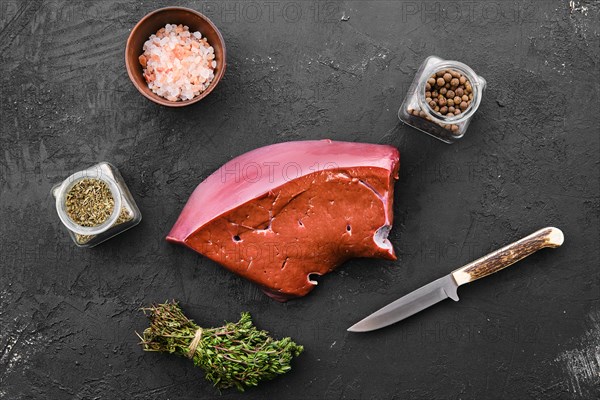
(235, 355)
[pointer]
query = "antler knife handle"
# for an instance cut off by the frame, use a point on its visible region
(508, 255)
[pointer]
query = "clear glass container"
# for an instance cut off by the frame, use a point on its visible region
(415, 111)
(125, 213)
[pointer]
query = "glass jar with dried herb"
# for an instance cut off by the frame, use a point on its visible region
(95, 205)
(442, 99)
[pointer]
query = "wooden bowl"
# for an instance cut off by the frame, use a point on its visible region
(150, 24)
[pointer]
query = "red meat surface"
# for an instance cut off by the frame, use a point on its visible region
(280, 213)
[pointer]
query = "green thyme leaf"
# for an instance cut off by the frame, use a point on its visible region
(234, 355)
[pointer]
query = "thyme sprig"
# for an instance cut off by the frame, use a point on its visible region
(234, 355)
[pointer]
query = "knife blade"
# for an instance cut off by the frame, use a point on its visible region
(446, 287)
(412, 303)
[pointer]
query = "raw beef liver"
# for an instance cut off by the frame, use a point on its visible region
(279, 213)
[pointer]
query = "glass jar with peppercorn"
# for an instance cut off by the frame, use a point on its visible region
(442, 99)
(95, 205)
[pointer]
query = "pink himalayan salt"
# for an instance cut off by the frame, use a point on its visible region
(178, 64)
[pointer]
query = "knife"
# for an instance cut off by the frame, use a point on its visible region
(447, 286)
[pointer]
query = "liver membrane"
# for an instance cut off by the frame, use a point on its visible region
(307, 225)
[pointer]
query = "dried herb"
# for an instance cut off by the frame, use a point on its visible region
(124, 216)
(89, 202)
(235, 355)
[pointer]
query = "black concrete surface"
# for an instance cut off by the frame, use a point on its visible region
(307, 70)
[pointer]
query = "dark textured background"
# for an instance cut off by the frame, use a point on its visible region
(300, 70)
